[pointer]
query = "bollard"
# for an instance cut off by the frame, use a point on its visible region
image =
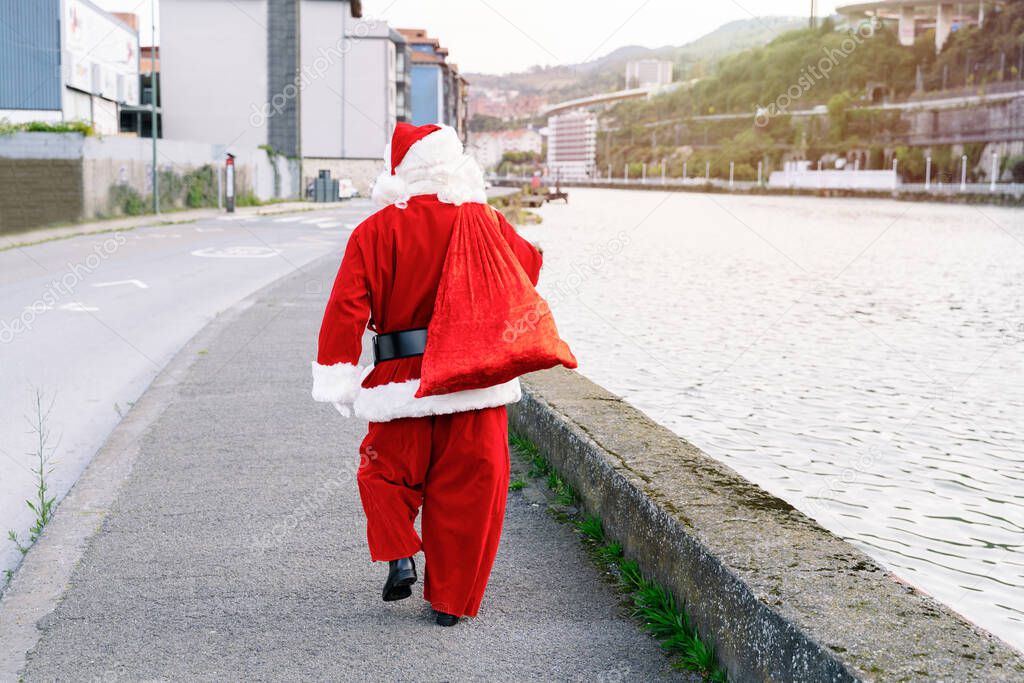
(625, 173)
(995, 171)
(230, 183)
(643, 173)
(707, 172)
(895, 174)
(684, 171)
(662, 171)
(732, 172)
(760, 169)
(928, 174)
(963, 173)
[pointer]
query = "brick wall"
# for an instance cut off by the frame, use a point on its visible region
(39, 192)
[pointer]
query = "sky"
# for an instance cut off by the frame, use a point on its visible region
(500, 36)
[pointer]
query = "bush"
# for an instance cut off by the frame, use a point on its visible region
(1016, 166)
(125, 199)
(7, 128)
(201, 187)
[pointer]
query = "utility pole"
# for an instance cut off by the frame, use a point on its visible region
(154, 125)
(814, 13)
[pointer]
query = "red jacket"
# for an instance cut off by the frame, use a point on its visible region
(388, 282)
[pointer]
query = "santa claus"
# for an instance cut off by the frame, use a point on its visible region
(446, 453)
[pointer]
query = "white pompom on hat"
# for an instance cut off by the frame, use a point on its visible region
(428, 160)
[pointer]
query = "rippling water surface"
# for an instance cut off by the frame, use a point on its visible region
(862, 359)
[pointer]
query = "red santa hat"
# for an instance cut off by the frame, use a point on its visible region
(428, 159)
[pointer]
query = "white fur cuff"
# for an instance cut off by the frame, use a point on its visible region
(338, 383)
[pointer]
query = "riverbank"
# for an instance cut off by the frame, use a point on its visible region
(780, 597)
(715, 186)
(219, 535)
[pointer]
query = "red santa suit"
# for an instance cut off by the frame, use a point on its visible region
(447, 453)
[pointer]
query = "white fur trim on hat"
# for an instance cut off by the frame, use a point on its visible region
(435, 164)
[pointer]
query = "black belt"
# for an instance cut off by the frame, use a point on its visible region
(394, 345)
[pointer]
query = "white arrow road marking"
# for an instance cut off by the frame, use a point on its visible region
(350, 226)
(236, 252)
(331, 224)
(317, 221)
(289, 219)
(79, 307)
(138, 283)
(39, 306)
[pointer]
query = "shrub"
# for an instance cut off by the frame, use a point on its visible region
(1016, 166)
(125, 199)
(201, 187)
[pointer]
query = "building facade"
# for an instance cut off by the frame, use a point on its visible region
(913, 18)
(572, 145)
(439, 94)
(648, 73)
(66, 60)
(309, 78)
(374, 88)
(488, 148)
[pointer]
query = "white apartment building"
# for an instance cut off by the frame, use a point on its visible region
(488, 148)
(572, 145)
(648, 73)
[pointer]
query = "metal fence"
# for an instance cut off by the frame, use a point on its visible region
(937, 188)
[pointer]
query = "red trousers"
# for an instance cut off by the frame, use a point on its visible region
(456, 467)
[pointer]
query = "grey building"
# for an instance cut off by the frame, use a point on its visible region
(309, 78)
(375, 88)
(66, 60)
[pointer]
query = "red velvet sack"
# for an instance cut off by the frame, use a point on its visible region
(489, 324)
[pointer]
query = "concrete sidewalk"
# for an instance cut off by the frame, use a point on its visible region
(234, 547)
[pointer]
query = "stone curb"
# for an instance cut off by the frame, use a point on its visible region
(781, 598)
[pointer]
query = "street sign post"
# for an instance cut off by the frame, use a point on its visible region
(229, 190)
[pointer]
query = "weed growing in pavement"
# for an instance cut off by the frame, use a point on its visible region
(516, 485)
(43, 504)
(653, 605)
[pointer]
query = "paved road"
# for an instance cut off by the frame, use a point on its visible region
(235, 549)
(122, 305)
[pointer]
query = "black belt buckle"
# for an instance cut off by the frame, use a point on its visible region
(395, 345)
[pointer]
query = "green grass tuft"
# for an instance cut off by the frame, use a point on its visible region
(591, 528)
(610, 553)
(516, 485)
(539, 465)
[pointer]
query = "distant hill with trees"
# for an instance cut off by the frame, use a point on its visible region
(607, 73)
(785, 76)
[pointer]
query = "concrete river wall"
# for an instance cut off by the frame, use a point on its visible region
(781, 598)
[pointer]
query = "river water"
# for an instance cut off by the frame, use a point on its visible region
(861, 359)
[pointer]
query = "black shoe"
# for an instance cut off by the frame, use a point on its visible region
(401, 575)
(445, 619)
